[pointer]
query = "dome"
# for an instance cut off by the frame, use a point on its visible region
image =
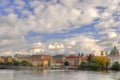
(114, 50)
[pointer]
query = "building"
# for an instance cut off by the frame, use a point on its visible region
(42, 60)
(21, 58)
(73, 60)
(4, 59)
(114, 56)
(59, 60)
(84, 59)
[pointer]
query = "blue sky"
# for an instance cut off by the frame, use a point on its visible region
(66, 26)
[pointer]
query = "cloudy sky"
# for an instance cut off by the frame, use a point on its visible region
(59, 26)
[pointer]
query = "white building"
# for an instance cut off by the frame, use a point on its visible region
(114, 56)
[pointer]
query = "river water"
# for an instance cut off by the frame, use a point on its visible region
(58, 75)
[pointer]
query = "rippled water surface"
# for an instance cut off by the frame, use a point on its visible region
(57, 75)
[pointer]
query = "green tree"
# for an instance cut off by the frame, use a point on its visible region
(95, 63)
(115, 66)
(84, 65)
(66, 63)
(16, 63)
(24, 63)
(41, 65)
(90, 58)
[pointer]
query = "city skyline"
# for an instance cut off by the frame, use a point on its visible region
(59, 26)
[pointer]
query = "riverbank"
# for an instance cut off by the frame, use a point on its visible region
(28, 67)
(54, 68)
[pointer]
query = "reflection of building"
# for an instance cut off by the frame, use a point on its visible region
(73, 60)
(41, 60)
(114, 56)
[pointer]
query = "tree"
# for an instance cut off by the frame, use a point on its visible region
(16, 63)
(24, 63)
(115, 66)
(90, 58)
(66, 63)
(101, 61)
(38, 65)
(95, 63)
(84, 65)
(82, 54)
(31, 65)
(41, 65)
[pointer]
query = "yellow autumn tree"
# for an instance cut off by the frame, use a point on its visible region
(101, 61)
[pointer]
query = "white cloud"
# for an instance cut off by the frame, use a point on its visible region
(51, 17)
(112, 35)
(51, 46)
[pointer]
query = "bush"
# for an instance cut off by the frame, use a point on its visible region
(24, 63)
(66, 63)
(84, 65)
(115, 66)
(16, 63)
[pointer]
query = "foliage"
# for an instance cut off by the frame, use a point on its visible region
(24, 63)
(66, 63)
(16, 63)
(31, 65)
(84, 65)
(41, 65)
(101, 61)
(38, 65)
(95, 63)
(116, 66)
(90, 57)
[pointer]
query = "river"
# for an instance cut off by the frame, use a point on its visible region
(58, 75)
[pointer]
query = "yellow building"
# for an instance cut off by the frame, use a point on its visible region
(21, 58)
(10, 59)
(2, 60)
(41, 60)
(6, 59)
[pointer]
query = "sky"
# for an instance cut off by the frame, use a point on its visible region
(59, 26)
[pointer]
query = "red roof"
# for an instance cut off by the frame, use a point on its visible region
(84, 58)
(59, 62)
(73, 56)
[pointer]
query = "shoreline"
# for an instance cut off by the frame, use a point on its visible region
(48, 68)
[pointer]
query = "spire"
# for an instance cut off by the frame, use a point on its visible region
(102, 53)
(114, 47)
(106, 53)
(79, 54)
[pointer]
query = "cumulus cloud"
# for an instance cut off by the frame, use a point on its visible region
(19, 18)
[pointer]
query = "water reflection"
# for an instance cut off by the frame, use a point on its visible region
(57, 75)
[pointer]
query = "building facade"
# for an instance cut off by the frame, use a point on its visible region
(59, 60)
(21, 58)
(42, 60)
(114, 56)
(73, 60)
